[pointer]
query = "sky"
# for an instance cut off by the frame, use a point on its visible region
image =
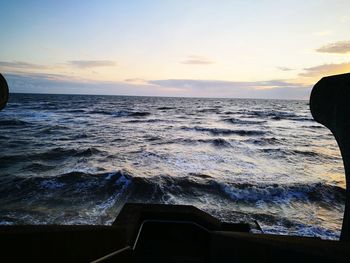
(190, 48)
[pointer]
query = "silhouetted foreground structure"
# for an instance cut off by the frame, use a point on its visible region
(4, 92)
(170, 233)
(330, 106)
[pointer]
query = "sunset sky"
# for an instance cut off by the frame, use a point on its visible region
(259, 49)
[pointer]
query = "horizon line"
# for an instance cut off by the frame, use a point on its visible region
(152, 96)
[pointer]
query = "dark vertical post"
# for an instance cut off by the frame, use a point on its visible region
(330, 106)
(4, 92)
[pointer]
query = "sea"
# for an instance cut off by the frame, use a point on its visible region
(77, 159)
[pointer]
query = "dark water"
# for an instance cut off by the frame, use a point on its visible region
(77, 159)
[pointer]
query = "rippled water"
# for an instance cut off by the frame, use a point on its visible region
(77, 159)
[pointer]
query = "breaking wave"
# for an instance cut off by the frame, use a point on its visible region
(244, 122)
(83, 187)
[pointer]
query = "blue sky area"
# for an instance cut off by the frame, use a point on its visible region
(257, 49)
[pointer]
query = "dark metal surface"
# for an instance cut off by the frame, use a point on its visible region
(162, 238)
(330, 106)
(4, 92)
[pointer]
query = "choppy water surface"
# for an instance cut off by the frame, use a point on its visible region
(77, 159)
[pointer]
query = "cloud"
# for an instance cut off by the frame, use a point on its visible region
(203, 84)
(136, 80)
(340, 47)
(19, 66)
(326, 70)
(15, 65)
(61, 84)
(285, 68)
(197, 60)
(270, 89)
(91, 63)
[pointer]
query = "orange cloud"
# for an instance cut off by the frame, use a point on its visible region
(326, 70)
(340, 47)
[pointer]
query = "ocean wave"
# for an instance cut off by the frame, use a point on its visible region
(64, 153)
(13, 122)
(277, 115)
(102, 112)
(49, 129)
(98, 196)
(38, 167)
(278, 193)
(208, 110)
(50, 155)
(144, 121)
(314, 127)
(221, 131)
(155, 188)
(215, 142)
(121, 113)
(295, 152)
(200, 175)
(71, 185)
(75, 111)
(139, 114)
(198, 185)
(218, 142)
(165, 108)
(244, 122)
(72, 198)
(266, 141)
